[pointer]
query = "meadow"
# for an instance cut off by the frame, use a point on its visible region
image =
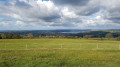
(59, 53)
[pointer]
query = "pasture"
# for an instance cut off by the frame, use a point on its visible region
(59, 53)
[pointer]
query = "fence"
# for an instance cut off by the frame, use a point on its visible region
(61, 46)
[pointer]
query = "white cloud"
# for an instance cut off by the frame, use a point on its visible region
(68, 13)
(59, 14)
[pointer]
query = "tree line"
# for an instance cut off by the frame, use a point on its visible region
(15, 36)
(30, 36)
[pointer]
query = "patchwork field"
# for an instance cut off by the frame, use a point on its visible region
(59, 53)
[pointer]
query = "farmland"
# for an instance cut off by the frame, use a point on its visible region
(59, 53)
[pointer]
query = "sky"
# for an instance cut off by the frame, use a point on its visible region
(59, 14)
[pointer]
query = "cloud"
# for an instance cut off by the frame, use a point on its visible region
(22, 4)
(30, 10)
(111, 10)
(55, 14)
(81, 7)
(71, 2)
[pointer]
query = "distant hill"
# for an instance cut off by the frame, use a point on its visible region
(66, 32)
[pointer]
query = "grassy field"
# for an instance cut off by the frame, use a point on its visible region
(59, 53)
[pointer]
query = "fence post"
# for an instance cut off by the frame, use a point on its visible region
(97, 46)
(61, 46)
(80, 46)
(26, 46)
(119, 46)
(5, 46)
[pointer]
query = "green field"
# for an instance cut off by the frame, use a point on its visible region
(59, 53)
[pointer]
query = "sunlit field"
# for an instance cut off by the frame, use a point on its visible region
(59, 53)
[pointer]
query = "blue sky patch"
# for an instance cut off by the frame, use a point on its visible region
(3, 0)
(5, 18)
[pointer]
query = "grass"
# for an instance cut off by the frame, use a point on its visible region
(59, 53)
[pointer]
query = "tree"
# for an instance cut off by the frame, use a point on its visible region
(30, 35)
(16, 36)
(23, 36)
(9, 36)
(57, 36)
(0, 37)
(109, 35)
(3, 36)
(87, 36)
(118, 38)
(40, 36)
(76, 36)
